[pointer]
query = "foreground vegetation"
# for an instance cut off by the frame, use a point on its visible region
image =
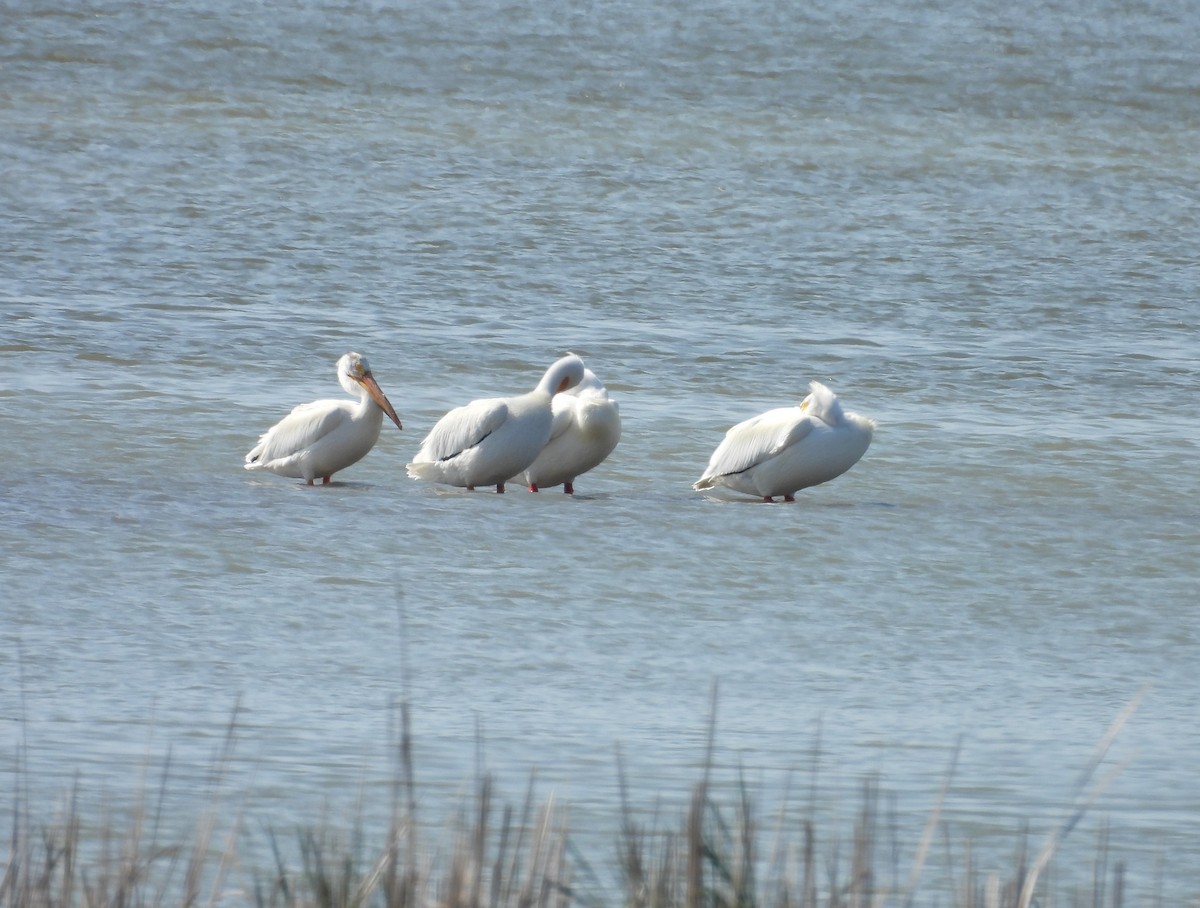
(715, 856)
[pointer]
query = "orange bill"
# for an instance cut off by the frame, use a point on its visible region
(372, 386)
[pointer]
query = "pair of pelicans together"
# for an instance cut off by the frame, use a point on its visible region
(558, 431)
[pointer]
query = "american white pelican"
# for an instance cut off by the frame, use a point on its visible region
(325, 436)
(790, 448)
(586, 428)
(487, 442)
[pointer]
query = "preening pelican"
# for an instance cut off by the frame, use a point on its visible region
(790, 448)
(489, 441)
(586, 428)
(320, 438)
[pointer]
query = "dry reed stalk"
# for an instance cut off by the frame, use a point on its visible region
(479, 843)
(498, 864)
(931, 825)
(1084, 800)
(631, 844)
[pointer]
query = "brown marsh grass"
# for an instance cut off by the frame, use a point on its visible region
(715, 855)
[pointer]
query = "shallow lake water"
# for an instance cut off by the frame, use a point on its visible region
(978, 230)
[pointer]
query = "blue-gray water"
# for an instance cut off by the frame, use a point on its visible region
(979, 226)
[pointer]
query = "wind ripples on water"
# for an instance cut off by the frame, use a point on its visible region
(976, 226)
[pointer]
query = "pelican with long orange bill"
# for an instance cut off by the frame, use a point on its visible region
(325, 436)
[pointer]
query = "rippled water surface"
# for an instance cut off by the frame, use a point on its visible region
(978, 226)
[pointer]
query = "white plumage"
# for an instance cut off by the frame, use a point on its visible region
(325, 436)
(790, 448)
(488, 441)
(586, 428)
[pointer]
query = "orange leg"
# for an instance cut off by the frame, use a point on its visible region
(533, 487)
(789, 497)
(325, 481)
(568, 488)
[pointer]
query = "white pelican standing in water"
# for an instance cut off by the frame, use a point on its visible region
(790, 448)
(325, 436)
(586, 428)
(489, 441)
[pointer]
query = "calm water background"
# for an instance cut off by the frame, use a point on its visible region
(978, 225)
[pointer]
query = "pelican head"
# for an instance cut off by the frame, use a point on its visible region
(589, 382)
(566, 373)
(823, 404)
(354, 374)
